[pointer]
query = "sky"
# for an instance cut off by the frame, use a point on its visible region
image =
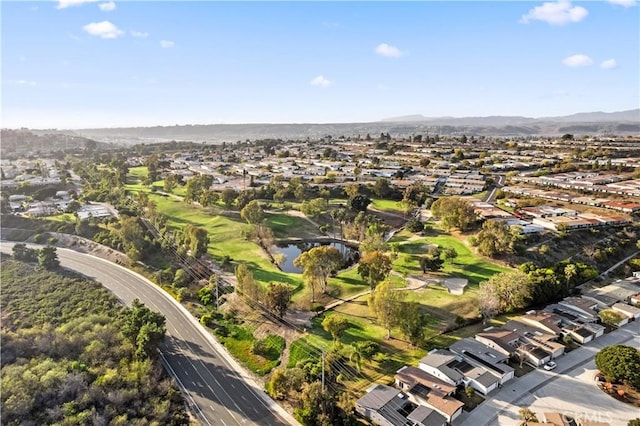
(82, 64)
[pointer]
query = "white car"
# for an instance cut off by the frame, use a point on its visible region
(550, 366)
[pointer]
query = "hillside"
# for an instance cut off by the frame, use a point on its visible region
(598, 123)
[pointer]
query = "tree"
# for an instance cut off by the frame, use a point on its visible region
(351, 190)
(359, 203)
(171, 180)
(385, 303)
(512, 288)
(634, 422)
(412, 323)
(278, 298)
(317, 264)
(620, 363)
(454, 212)
(610, 317)
(314, 208)
(23, 253)
(195, 240)
(228, 196)
(382, 188)
(364, 350)
(496, 238)
(488, 301)
(48, 258)
(374, 267)
(450, 253)
(469, 391)
(431, 261)
(144, 328)
(335, 325)
(252, 213)
(414, 225)
(278, 384)
(526, 415)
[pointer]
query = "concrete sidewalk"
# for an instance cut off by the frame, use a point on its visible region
(518, 389)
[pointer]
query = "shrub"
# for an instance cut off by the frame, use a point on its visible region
(270, 347)
(414, 225)
(206, 320)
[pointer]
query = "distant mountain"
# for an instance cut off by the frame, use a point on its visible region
(498, 120)
(592, 123)
(632, 115)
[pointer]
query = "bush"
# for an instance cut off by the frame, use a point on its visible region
(270, 347)
(39, 238)
(414, 225)
(206, 320)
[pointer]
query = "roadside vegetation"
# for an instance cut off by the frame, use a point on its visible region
(72, 355)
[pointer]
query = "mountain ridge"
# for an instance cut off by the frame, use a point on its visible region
(591, 123)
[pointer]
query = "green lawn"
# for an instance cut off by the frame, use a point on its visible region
(285, 226)
(63, 217)
(392, 206)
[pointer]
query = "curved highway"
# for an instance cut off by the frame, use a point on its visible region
(216, 388)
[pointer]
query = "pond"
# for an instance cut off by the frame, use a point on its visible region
(292, 251)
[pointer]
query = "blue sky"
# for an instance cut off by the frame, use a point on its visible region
(76, 63)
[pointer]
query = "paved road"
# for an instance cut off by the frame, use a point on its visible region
(568, 389)
(214, 385)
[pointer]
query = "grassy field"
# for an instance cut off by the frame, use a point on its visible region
(63, 217)
(226, 238)
(388, 205)
(285, 226)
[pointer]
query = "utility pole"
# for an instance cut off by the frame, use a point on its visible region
(217, 294)
(323, 370)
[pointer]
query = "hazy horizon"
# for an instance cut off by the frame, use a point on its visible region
(78, 64)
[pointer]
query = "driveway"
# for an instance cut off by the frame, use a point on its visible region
(568, 389)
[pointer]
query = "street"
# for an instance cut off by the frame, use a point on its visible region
(568, 389)
(216, 388)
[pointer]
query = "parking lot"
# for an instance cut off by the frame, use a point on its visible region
(568, 389)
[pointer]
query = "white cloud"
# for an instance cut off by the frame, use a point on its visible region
(555, 13)
(624, 3)
(577, 61)
(139, 34)
(388, 50)
(104, 29)
(23, 59)
(320, 81)
(609, 64)
(107, 7)
(63, 4)
(24, 82)
(166, 44)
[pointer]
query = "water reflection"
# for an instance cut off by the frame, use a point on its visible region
(292, 251)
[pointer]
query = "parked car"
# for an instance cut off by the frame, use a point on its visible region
(550, 366)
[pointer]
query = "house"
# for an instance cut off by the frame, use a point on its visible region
(387, 406)
(481, 355)
(579, 333)
(627, 310)
(425, 389)
(437, 363)
(545, 321)
(613, 317)
(499, 339)
(456, 370)
(635, 300)
(584, 307)
(620, 290)
(533, 336)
